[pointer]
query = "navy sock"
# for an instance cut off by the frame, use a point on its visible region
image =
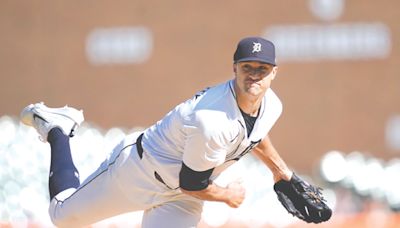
(63, 173)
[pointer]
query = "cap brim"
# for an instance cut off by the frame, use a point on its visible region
(256, 59)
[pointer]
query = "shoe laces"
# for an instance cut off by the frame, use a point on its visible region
(41, 139)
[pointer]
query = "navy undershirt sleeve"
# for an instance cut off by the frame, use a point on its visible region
(191, 180)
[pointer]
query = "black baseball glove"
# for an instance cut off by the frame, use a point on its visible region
(303, 200)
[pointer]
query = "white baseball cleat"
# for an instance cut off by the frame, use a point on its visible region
(43, 119)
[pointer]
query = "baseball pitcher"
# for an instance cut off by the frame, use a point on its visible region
(168, 170)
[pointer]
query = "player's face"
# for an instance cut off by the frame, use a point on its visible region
(254, 78)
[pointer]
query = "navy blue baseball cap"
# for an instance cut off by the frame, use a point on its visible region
(255, 49)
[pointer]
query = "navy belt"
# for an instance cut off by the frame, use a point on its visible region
(139, 149)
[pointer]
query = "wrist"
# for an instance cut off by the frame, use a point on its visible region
(283, 175)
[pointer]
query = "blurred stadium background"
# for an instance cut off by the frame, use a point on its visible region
(126, 63)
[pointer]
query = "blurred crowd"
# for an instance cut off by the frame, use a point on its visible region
(362, 190)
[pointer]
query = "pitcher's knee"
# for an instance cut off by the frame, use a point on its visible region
(64, 221)
(62, 215)
(59, 217)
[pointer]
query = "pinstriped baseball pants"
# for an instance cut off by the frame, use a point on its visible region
(123, 183)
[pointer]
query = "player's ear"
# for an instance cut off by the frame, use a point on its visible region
(235, 68)
(274, 71)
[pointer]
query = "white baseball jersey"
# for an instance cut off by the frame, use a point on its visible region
(205, 132)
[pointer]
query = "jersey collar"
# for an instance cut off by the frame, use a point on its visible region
(253, 134)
